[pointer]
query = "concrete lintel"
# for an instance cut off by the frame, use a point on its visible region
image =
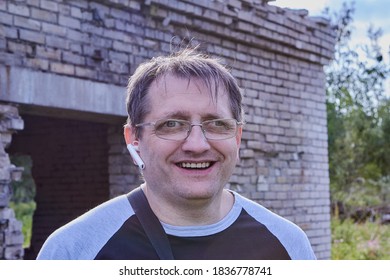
(46, 90)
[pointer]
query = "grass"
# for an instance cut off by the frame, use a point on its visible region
(364, 241)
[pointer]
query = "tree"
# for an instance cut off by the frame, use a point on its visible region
(23, 190)
(358, 116)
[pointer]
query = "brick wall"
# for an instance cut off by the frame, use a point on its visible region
(277, 55)
(123, 174)
(11, 237)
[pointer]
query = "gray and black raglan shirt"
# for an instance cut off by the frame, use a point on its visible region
(112, 231)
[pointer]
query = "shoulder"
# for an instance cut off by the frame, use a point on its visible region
(83, 237)
(293, 238)
(271, 220)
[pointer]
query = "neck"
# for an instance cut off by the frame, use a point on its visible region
(190, 212)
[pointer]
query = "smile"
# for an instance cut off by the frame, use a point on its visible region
(193, 165)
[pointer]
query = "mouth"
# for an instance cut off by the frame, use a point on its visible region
(195, 165)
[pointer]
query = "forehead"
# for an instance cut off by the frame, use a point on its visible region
(171, 93)
(170, 82)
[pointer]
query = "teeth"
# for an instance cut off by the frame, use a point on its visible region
(195, 165)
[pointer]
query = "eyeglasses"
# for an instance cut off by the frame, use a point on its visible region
(178, 130)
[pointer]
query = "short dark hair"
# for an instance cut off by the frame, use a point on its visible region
(187, 63)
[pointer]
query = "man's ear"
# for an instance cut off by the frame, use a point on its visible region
(238, 140)
(238, 136)
(129, 134)
(132, 146)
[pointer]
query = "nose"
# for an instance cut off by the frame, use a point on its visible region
(196, 141)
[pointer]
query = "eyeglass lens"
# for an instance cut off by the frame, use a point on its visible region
(179, 129)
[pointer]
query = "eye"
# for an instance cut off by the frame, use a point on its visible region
(170, 126)
(223, 124)
(219, 123)
(220, 126)
(172, 123)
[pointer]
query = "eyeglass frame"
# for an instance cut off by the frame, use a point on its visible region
(191, 125)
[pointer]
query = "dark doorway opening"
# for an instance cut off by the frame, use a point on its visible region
(69, 168)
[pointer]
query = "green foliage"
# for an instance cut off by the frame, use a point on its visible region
(367, 241)
(24, 212)
(23, 190)
(355, 79)
(22, 201)
(358, 113)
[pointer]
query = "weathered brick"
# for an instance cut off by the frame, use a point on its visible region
(37, 63)
(48, 53)
(54, 29)
(32, 36)
(49, 5)
(44, 15)
(69, 22)
(57, 42)
(61, 68)
(27, 23)
(18, 9)
(85, 72)
(16, 47)
(6, 18)
(72, 58)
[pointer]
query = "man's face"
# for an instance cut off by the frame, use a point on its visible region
(176, 98)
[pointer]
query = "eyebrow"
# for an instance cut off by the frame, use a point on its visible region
(181, 115)
(184, 115)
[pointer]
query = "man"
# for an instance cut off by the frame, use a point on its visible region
(184, 130)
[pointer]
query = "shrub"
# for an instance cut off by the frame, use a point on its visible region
(364, 241)
(24, 212)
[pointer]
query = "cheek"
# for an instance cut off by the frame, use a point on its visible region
(152, 151)
(236, 153)
(229, 150)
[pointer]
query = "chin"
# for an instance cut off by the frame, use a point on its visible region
(199, 192)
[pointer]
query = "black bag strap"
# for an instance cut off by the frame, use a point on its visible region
(150, 224)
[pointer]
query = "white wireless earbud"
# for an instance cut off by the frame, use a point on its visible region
(133, 152)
